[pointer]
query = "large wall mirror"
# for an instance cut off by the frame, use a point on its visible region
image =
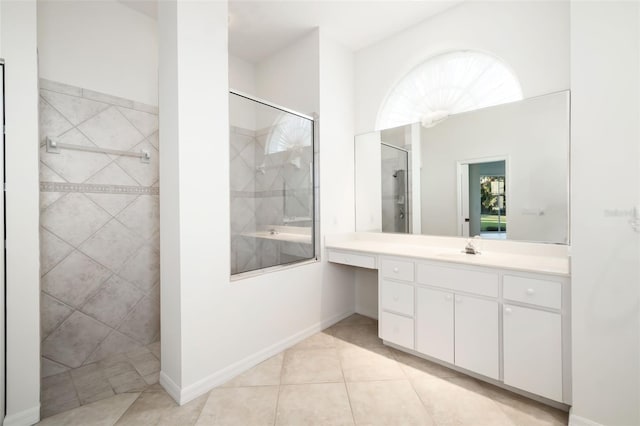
(500, 172)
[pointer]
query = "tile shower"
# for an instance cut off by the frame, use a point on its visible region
(272, 186)
(99, 243)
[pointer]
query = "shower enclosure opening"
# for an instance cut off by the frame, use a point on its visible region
(272, 185)
(395, 189)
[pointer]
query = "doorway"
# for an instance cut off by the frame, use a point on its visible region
(483, 198)
(395, 189)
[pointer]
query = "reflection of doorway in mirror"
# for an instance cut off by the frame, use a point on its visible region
(394, 189)
(483, 198)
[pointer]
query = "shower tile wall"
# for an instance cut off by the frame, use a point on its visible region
(267, 190)
(99, 228)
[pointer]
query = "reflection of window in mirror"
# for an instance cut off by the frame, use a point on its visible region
(447, 84)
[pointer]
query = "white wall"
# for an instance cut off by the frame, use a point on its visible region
(531, 37)
(18, 48)
(214, 328)
(99, 45)
(605, 103)
(289, 77)
(242, 75)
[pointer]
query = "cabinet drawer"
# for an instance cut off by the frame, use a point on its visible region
(534, 291)
(396, 297)
(396, 269)
(396, 329)
(476, 282)
(353, 259)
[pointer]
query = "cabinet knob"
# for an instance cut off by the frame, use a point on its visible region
(530, 291)
(346, 259)
(447, 297)
(395, 269)
(458, 299)
(395, 298)
(507, 310)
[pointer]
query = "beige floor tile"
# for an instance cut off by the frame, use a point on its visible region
(414, 366)
(101, 413)
(152, 378)
(145, 364)
(458, 402)
(264, 374)
(391, 402)
(58, 394)
(323, 404)
(155, 349)
(524, 411)
(148, 409)
(359, 335)
(254, 405)
(357, 319)
(185, 415)
(320, 340)
(368, 364)
(311, 366)
(130, 381)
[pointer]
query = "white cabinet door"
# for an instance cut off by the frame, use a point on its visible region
(533, 351)
(434, 324)
(476, 335)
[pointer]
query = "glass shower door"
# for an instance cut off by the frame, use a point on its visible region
(395, 189)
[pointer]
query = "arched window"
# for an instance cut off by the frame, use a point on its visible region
(448, 84)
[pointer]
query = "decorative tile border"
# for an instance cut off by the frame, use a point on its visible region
(97, 188)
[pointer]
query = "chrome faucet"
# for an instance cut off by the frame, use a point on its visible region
(471, 247)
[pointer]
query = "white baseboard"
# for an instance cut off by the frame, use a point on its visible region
(581, 421)
(170, 386)
(27, 417)
(191, 392)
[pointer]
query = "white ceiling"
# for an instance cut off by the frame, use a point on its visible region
(259, 28)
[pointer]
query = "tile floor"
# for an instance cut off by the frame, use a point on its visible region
(117, 374)
(342, 376)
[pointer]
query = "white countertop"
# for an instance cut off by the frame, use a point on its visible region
(449, 249)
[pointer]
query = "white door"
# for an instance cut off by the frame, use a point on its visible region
(2, 239)
(533, 351)
(434, 324)
(476, 335)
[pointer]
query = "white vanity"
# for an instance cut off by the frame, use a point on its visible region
(501, 316)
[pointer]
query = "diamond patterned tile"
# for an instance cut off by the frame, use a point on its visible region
(52, 314)
(146, 174)
(75, 279)
(74, 166)
(113, 302)
(52, 250)
(48, 175)
(146, 123)
(115, 343)
(143, 268)
(73, 108)
(75, 339)
(112, 245)
(51, 122)
(143, 323)
(63, 218)
(110, 129)
(50, 368)
(154, 140)
(142, 216)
